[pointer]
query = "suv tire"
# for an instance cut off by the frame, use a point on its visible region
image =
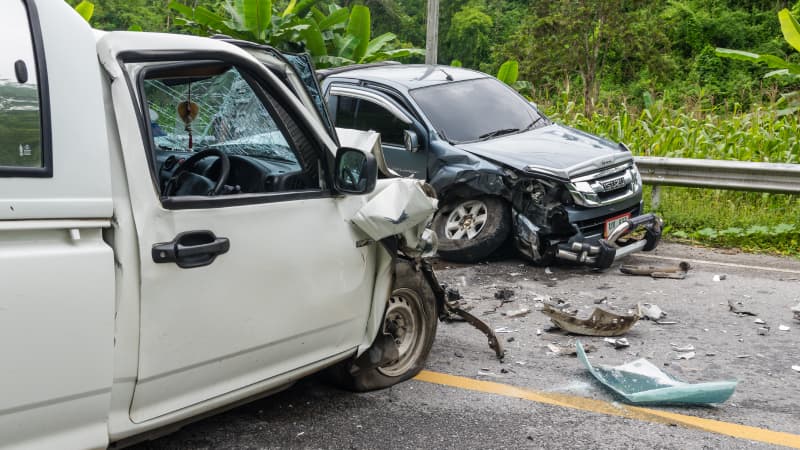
(469, 230)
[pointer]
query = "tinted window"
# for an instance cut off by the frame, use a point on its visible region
(473, 110)
(20, 111)
(365, 115)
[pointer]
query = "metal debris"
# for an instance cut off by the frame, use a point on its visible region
(674, 272)
(618, 342)
(736, 310)
(783, 328)
(642, 382)
(518, 312)
(599, 323)
(569, 349)
(650, 311)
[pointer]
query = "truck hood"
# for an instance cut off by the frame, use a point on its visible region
(555, 150)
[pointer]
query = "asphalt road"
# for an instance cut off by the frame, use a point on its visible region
(419, 414)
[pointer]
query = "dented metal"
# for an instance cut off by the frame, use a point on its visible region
(599, 323)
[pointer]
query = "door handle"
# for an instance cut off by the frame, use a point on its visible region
(191, 249)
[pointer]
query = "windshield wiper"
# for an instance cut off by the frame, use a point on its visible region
(496, 133)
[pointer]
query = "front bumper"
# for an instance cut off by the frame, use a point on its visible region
(592, 251)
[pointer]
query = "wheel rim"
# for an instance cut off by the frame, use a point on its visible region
(466, 221)
(404, 322)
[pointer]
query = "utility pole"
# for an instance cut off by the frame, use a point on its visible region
(432, 38)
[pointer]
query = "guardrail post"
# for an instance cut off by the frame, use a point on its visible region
(655, 197)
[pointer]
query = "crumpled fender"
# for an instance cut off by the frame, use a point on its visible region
(456, 173)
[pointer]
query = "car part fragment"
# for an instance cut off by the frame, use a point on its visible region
(675, 272)
(642, 382)
(600, 323)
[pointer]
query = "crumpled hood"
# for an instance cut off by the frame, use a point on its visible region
(554, 150)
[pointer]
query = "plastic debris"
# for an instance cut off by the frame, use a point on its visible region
(720, 277)
(784, 328)
(618, 342)
(682, 348)
(742, 312)
(518, 312)
(599, 323)
(569, 349)
(641, 382)
(650, 311)
(675, 272)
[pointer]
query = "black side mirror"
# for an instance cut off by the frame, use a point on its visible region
(411, 141)
(356, 171)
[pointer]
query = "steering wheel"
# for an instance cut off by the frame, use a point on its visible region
(186, 182)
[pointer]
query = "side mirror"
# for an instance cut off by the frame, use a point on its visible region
(411, 141)
(356, 171)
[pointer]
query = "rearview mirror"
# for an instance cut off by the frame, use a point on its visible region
(356, 171)
(411, 141)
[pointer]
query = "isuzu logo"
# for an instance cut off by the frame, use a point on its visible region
(614, 184)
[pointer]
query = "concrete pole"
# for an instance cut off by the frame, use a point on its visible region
(432, 38)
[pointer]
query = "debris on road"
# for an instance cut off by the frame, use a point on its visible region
(687, 356)
(569, 349)
(504, 294)
(762, 331)
(796, 368)
(641, 382)
(517, 312)
(650, 311)
(759, 321)
(599, 323)
(502, 330)
(742, 312)
(742, 356)
(720, 277)
(538, 331)
(665, 322)
(618, 343)
(783, 327)
(674, 272)
(682, 348)
(796, 311)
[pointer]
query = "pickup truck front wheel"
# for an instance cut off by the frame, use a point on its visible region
(469, 230)
(402, 346)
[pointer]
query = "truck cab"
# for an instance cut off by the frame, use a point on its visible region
(179, 232)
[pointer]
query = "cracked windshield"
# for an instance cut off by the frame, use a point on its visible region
(223, 112)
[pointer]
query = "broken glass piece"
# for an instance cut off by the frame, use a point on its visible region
(642, 382)
(600, 323)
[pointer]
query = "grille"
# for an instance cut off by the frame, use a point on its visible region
(593, 226)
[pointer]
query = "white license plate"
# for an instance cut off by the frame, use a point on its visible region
(614, 222)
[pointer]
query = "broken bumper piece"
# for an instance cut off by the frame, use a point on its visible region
(595, 252)
(642, 382)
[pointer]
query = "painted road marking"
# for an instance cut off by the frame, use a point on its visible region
(613, 409)
(702, 261)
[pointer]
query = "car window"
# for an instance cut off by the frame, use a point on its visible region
(216, 109)
(365, 115)
(473, 110)
(20, 108)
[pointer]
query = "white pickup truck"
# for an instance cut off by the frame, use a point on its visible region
(180, 232)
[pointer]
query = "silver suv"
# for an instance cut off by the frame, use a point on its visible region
(499, 166)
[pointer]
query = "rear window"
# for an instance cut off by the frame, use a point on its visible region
(23, 147)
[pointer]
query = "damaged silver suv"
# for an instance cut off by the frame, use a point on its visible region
(499, 166)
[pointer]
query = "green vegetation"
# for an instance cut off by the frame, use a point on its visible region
(643, 72)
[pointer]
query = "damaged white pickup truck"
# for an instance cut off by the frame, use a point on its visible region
(180, 232)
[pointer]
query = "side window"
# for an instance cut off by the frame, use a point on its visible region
(206, 117)
(365, 115)
(23, 145)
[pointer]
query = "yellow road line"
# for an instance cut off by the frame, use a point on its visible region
(602, 407)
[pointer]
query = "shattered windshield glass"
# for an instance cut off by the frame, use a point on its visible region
(475, 110)
(220, 111)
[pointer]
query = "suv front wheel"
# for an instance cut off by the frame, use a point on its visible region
(469, 230)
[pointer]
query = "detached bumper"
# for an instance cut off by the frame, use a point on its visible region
(595, 252)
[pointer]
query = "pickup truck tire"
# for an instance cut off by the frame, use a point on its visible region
(469, 230)
(407, 335)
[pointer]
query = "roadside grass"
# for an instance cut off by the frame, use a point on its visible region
(751, 221)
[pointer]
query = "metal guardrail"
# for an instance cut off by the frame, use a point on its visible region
(718, 174)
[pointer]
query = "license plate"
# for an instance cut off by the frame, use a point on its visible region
(614, 222)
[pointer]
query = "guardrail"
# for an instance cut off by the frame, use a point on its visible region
(718, 174)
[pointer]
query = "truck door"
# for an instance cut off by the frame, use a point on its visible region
(249, 270)
(57, 300)
(364, 109)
